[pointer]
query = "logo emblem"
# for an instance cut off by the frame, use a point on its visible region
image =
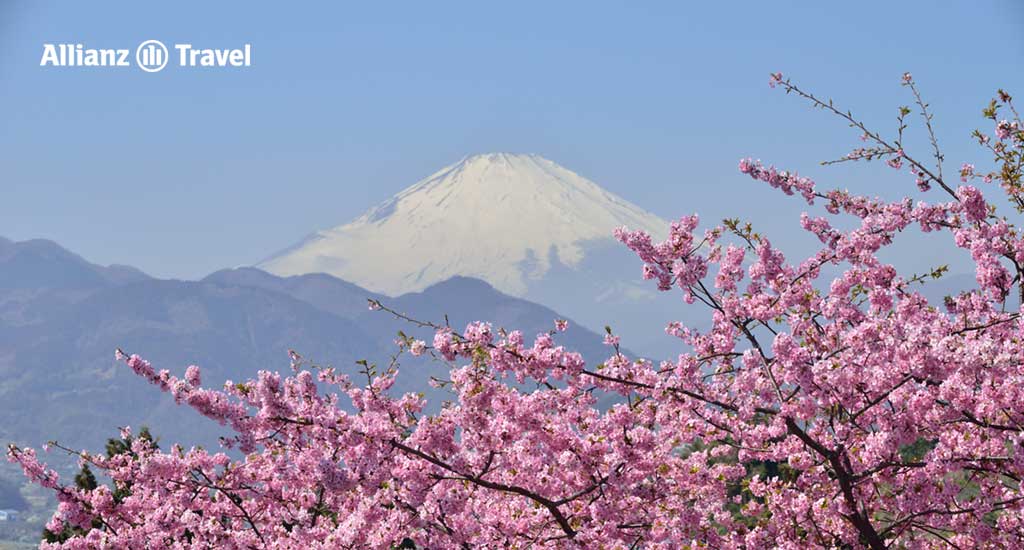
(151, 56)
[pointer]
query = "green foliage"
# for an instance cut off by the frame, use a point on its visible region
(85, 479)
(917, 450)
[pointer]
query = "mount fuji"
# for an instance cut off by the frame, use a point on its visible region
(526, 225)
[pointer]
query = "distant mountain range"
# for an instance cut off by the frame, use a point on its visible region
(62, 317)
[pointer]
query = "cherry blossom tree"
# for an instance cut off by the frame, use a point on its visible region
(842, 414)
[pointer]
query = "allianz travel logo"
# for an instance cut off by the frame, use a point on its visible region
(152, 56)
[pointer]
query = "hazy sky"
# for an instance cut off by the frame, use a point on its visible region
(183, 172)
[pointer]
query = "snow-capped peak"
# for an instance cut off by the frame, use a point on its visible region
(500, 217)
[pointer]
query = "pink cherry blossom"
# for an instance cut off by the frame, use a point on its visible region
(824, 403)
(418, 347)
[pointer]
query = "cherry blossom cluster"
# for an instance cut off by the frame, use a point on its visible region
(809, 413)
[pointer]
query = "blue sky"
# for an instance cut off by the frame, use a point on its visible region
(183, 172)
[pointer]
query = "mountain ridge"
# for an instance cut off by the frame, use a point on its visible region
(59, 380)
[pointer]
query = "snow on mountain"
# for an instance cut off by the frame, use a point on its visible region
(505, 218)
